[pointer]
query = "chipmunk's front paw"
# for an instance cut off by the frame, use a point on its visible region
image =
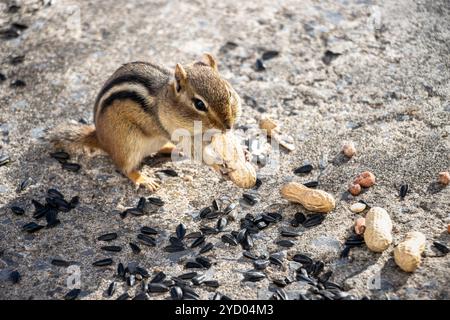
(141, 180)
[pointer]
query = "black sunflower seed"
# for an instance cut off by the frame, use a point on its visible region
(60, 156)
(304, 278)
(17, 60)
(135, 248)
(304, 169)
(268, 219)
(60, 263)
(247, 244)
(156, 201)
(121, 270)
(62, 205)
(141, 204)
(222, 223)
(172, 249)
(4, 160)
(2, 78)
(254, 276)
(250, 199)
(325, 277)
(143, 272)
(215, 205)
(189, 295)
(193, 265)
(229, 208)
(176, 242)
(288, 233)
(159, 277)
(123, 296)
(103, 262)
(32, 227)
(294, 223)
(249, 255)
(211, 283)
(261, 225)
(74, 202)
(217, 296)
(345, 252)
(24, 184)
(261, 264)
(19, 26)
(228, 238)
(241, 235)
(303, 259)
(8, 34)
(72, 294)
(318, 268)
(111, 248)
(198, 242)
(355, 241)
(207, 247)
(147, 240)
(208, 230)
(199, 279)
(131, 280)
(311, 184)
(275, 215)
(204, 212)
(188, 276)
(169, 172)
(212, 215)
(124, 214)
(181, 231)
(141, 297)
(111, 289)
(18, 210)
(274, 259)
(135, 212)
(40, 210)
(260, 65)
(281, 294)
(205, 262)
(149, 231)
(15, 277)
(176, 293)
(441, 247)
(108, 237)
(403, 190)
(270, 54)
(73, 167)
(313, 220)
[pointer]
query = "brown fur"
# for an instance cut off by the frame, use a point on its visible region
(131, 128)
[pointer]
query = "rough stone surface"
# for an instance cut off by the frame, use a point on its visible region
(384, 85)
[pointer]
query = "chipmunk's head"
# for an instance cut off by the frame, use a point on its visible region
(201, 94)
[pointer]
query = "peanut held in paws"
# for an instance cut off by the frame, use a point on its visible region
(226, 155)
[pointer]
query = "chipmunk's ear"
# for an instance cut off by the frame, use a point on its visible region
(180, 78)
(210, 61)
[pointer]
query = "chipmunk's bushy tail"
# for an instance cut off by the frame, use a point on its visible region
(75, 137)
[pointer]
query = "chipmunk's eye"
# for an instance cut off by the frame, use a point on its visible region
(199, 104)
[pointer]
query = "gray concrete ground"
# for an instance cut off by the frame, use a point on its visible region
(386, 88)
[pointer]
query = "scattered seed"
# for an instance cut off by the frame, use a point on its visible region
(15, 277)
(156, 201)
(121, 270)
(131, 280)
(73, 167)
(260, 65)
(204, 212)
(61, 156)
(193, 265)
(229, 208)
(72, 294)
(288, 233)
(141, 297)
(222, 223)
(181, 231)
(254, 276)
(103, 263)
(212, 215)
(275, 215)
(270, 54)
(176, 293)
(112, 248)
(149, 231)
(8, 34)
(354, 189)
(135, 212)
(135, 248)
(147, 240)
(2, 78)
(275, 260)
(207, 247)
(313, 220)
(300, 217)
(249, 255)
(228, 238)
(4, 160)
(32, 227)
(188, 276)
(441, 247)
(344, 254)
(304, 169)
(199, 279)
(172, 249)
(329, 56)
(241, 235)
(18, 210)
(159, 277)
(355, 241)
(176, 242)
(24, 184)
(358, 207)
(205, 262)
(261, 264)
(311, 184)
(403, 190)
(198, 241)
(212, 283)
(60, 263)
(250, 199)
(193, 235)
(123, 296)
(169, 172)
(141, 204)
(19, 26)
(303, 259)
(325, 277)
(111, 289)
(108, 237)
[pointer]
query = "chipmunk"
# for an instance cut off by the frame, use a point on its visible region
(143, 103)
